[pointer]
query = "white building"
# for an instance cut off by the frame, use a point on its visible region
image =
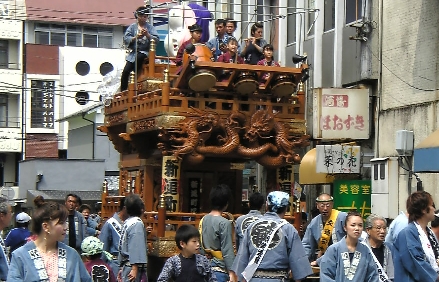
(11, 67)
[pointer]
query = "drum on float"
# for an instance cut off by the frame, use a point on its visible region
(283, 85)
(246, 83)
(202, 79)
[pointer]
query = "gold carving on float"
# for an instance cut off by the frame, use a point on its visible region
(168, 121)
(262, 138)
(149, 85)
(142, 125)
(115, 118)
(163, 247)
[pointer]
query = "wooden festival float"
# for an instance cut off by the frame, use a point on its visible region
(180, 135)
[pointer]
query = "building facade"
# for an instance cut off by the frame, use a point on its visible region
(11, 69)
(409, 86)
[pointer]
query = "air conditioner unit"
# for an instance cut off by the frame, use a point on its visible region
(10, 193)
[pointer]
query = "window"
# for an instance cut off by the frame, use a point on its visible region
(354, 10)
(82, 68)
(42, 37)
(3, 110)
(260, 10)
(105, 68)
(382, 171)
(82, 98)
(291, 22)
(74, 35)
(311, 17)
(329, 15)
(4, 46)
(375, 171)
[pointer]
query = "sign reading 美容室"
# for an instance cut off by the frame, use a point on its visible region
(353, 195)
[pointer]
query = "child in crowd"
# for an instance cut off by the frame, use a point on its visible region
(93, 249)
(267, 61)
(230, 57)
(188, 264)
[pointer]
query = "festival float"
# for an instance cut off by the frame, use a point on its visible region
(178, 135)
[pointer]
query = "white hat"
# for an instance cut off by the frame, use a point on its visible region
(23, 217)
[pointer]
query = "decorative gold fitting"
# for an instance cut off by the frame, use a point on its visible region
(301, 89)
(104, 185)
(298, 205)
(132, 77)
(162, 201)
(166, 75)
(152, 45)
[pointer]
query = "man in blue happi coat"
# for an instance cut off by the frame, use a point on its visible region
(324, 229)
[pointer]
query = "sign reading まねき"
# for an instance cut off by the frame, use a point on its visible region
(341, 113)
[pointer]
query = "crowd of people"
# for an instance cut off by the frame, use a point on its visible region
(61, 246)
(225, 46)
(66, 242)
(341, 246)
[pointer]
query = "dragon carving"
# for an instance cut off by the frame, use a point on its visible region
(205, 134)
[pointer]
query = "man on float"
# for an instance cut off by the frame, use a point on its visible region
(218, 44)
(196, 33)
(137, 38)
(324, 229)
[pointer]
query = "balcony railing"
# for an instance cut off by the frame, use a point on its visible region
(10, 123)
(11, 66)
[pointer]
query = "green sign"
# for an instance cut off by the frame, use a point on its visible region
(353, 195)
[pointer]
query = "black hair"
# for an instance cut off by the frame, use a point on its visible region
(268, 46)
(134, 205)
(74, 196)
(220, 21)
(95, 256)
(46, 212)
(417, 203)
(185, 233)
(304, 216)
(230, 20)
(279, 210)
(256, 201)
(122, 203)
(85, 207)
(219, 197)
(142, 10)
(254, 27)
(232, 39)
(351, 214)
(195, 27)
(435, 222)
(22, 224)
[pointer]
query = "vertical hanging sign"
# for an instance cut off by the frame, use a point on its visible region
(171, 168)
(285, 180)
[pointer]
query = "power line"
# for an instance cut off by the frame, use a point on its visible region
(397, 76)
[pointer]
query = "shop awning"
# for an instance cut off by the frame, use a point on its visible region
(426, 154)
(307, 170)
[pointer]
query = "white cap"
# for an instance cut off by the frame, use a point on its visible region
(23, 217)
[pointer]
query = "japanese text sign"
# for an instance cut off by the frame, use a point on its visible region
(338, 159)
(171, 182)
(353, 195)
(341, 113)
(285, 179)
(42, 104)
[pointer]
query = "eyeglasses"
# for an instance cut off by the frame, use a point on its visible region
(380, 228)
(324, 204)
